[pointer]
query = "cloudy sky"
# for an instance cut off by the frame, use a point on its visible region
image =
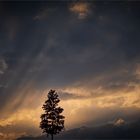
(88, 51)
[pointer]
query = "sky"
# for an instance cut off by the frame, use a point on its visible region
(88, 51)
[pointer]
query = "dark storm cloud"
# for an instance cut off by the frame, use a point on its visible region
(56, 49)
(92, 45)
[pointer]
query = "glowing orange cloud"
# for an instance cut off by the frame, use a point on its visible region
(81, 9)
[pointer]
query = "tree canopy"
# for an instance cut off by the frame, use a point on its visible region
(52, 122)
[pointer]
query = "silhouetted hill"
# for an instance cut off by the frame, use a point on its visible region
(107, 131)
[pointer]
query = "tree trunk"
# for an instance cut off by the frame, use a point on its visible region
(52, 136)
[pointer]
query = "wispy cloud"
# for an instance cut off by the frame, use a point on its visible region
(3, 66)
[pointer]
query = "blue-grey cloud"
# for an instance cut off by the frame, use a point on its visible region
(58, 54)
(41, 50)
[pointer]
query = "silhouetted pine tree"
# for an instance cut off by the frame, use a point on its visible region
(52, 122)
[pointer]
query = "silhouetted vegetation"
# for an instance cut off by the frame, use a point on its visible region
(52, 122)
